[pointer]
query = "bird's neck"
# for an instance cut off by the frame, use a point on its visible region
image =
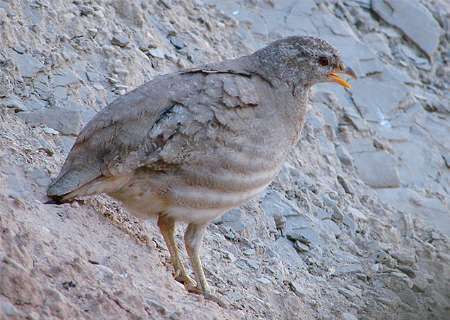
(286, 85)
(274, 72)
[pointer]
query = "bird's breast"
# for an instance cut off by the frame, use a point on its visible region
(225, 179)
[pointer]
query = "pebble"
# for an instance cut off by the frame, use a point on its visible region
(343, 155)
(345, 185)
(50, 131)
(296, 288)
(157, 53)
(348, 316)
(5, 85)
(264, 280)
(301, 247)
(8, 309)
(65, 78)
(13, 103)
(349, 268)
(177, 42)
(446, 158)
(121, 40)
(275, 204)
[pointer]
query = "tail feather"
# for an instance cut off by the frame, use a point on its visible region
(53, 201)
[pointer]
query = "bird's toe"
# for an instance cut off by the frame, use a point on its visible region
(208, 295)
(186, 280)
(212, 297)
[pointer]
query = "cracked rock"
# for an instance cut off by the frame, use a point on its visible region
(377, 169)
(413, 19)
(65, 121)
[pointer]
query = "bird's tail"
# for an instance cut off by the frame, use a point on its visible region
(67, 187)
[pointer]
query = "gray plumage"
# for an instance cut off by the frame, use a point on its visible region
(193, 144)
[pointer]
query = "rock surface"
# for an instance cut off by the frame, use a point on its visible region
(355, 226)
(413, 19)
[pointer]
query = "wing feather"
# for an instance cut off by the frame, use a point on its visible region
(158, 125)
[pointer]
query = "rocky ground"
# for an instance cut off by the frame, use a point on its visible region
(356, 226)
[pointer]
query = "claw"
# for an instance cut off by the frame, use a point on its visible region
(207, 295)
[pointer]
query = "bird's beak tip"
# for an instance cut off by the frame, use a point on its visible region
(333, 76)
(349, 71)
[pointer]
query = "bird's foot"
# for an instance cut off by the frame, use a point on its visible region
(185, 279)
(216, 299)
(208, 295)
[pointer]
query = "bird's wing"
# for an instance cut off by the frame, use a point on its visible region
(159, 125)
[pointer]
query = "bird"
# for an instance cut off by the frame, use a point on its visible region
(190, 145)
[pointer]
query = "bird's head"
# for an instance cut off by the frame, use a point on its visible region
(303, 60)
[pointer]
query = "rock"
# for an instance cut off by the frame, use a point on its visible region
(274, 204)
(348, 316)
(120, 39)
(130, 11)
(378, 42)
(27, 64)
(330, 227)
(343, 155)
(8, 309)
(446, 158)
(285, 251)
(413, 19)
(345, 185)
(408, 271)
(40, 177)
(357, 122)
(85, 10)
(157, 53)
(404, 256)
(349, 294)
(289, 174)
(421, 282)
(50, 131)
(349, 268)
(232, 219)
(264, 280)
(231, 216)
(420, 63)
(401, 284)
(356, 214)
(177, 42)
(65, 78)
(280, 223)
(296, 288)
(5, 85)
(389, 95)
(300, 247)
(385, 259)
(303, 229)
(13, 103)
(18, 285)
(337, 216)
(94, 76)
(377, 169)
(160, 308)
(62, 120)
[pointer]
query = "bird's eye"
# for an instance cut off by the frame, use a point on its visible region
(323, 61)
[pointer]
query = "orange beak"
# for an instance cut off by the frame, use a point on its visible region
(333, 76)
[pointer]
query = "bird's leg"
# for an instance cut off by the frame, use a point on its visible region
(193, 238)
(167, 227)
